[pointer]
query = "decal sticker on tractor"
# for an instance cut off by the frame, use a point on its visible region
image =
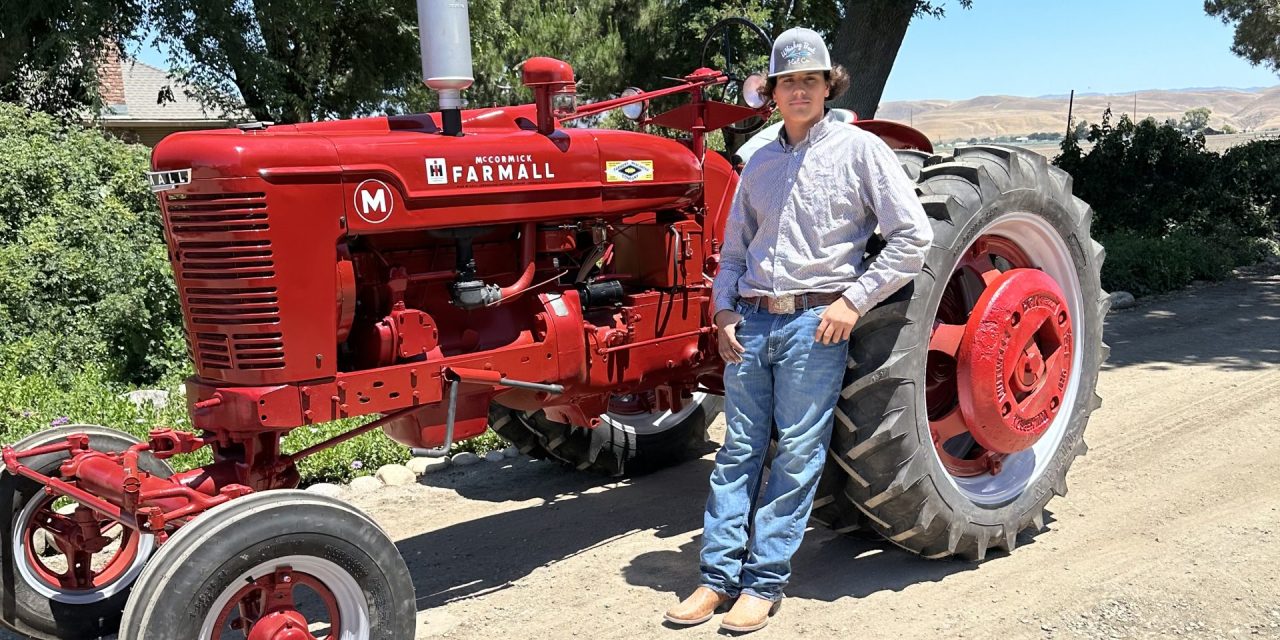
(628, 171)
(489, 168)
(436, 171)
(374, 201)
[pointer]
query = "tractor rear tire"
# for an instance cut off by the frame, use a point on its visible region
(885, 470)
(623, 444)
(29, 601)
(281, 543)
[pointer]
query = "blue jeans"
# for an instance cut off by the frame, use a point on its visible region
(787, 380)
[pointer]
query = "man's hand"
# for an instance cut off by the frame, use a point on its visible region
(837, 322)
(726, 322)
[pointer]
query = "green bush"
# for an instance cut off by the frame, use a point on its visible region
(1249, 176)
(1144, 265)
(84, 275)
(1143, 177)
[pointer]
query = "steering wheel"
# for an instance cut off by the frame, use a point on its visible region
(732, 90)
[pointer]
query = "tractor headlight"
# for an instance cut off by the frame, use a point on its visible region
(635, 110)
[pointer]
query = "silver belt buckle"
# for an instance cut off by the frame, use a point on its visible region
(785, 304)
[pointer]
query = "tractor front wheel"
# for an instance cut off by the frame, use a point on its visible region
(276, 564)
(56, 581)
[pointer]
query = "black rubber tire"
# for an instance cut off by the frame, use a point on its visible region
(175, 594)
(914, 161)
(23, 609)
(607, 449)
(883, 470)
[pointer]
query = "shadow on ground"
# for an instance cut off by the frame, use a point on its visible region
(487, 554)
(1202, 326)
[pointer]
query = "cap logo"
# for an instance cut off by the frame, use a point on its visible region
(798, 52)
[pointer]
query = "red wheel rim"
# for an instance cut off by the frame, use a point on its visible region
(267, 608)
(979, 411)
(82, 553)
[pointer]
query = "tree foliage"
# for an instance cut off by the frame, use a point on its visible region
(84, 274)
(1195, 120)
(50, 50)
(1257, 25)
(291, 61)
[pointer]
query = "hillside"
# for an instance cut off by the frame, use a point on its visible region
(990, 116)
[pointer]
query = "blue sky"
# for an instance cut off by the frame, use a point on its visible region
(1049, 47)
(1043, 47)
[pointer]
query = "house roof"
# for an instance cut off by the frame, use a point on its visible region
(151, 95)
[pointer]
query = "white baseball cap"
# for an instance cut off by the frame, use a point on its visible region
(798, 49)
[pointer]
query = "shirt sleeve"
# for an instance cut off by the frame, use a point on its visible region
(890, 197)
(738, 231)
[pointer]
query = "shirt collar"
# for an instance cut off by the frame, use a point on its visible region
(818, 131)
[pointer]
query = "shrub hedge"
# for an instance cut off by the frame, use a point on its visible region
(1169, 211)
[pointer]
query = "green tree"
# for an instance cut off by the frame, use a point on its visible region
(867, 43)
(1257, 25)
(290, 61)
(50, 50)
(1195, 120)
(316, 59)
(505, 33)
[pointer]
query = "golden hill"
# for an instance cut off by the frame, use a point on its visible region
(990, 116)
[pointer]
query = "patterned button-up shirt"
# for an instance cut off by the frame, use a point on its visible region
(803, 213)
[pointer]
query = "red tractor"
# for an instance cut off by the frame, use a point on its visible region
(467, 269)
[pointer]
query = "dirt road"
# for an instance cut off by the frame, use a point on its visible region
(1171, 526)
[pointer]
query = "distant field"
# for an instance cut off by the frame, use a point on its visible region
(993, 116)
(1218, 143)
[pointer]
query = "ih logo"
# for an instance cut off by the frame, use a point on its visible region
(374, 201)
(436, 171)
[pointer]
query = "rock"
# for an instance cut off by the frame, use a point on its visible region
(511, 451)
(366, 484)
(494, 456)
(465, 458)
(158, 398)
(1272, 260)
(40, 542)
(427, 465)
(326, 489)
(396, 475)
(1122, 300)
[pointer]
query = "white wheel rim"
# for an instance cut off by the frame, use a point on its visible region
(1047, 250)
(146, 544)
(353, 609)
(643, 424)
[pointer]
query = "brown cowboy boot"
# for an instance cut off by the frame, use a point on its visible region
(697, 608)
(749, 613)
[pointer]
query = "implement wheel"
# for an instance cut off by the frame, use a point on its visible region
(56, 581)
(277, 564)
(968, 391)
(631, 438)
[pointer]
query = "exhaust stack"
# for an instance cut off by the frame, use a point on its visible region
(444, 34)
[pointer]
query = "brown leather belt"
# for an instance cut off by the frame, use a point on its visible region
(791, 303)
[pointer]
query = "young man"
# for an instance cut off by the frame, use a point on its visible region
(791, 286)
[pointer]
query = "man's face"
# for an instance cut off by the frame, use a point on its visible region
(800, 96)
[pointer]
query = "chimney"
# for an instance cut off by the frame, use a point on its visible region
(445, 43)
(111, 83)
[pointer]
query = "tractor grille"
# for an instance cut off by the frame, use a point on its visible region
(227, 272)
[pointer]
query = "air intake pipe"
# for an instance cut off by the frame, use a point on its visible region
(444, 34)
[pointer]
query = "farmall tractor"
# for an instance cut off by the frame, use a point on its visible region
(466, 269)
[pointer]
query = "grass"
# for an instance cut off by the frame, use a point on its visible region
(32, 403)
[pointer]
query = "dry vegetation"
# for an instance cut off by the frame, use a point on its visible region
(990, 116)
